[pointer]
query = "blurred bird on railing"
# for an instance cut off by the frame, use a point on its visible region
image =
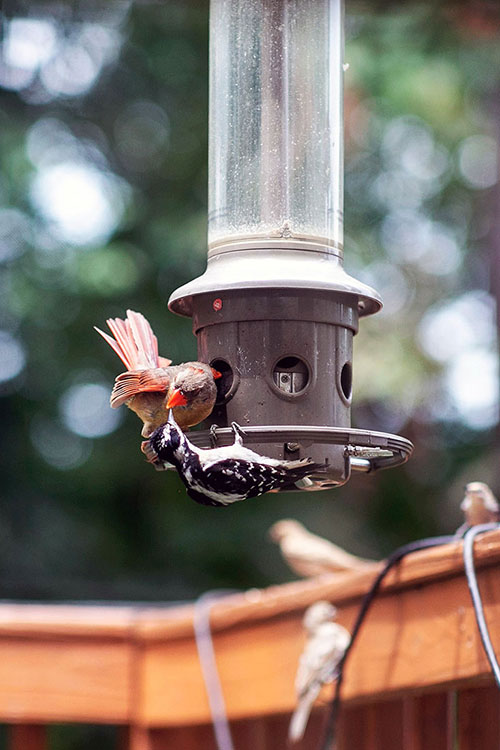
(325, 646)
(152, 386)
(310, 555)
(479, 504)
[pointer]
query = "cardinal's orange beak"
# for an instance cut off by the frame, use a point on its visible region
(216, 373)
(176, 398)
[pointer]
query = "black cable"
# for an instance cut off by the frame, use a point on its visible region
(470, 572)
(206, 654)
(368, 598)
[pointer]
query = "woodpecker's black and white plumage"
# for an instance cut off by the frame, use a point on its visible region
(222, 476)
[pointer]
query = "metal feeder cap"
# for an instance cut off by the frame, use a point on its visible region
(274, 267)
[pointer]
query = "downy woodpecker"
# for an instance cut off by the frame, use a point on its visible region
(222, 476)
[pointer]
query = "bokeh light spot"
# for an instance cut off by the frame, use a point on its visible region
(71, 73)
(58, 447)
(409, 142)
(411, 237)
(85, 410)
(83, 204)
(472, 380)
(478, 161)
(29, 43)
(12, 356)
(448, 329)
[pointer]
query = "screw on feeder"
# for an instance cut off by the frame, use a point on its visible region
(275, 258)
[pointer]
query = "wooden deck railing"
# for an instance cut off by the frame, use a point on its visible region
(416, 678)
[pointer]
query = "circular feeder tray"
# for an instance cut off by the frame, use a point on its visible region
(365, 450)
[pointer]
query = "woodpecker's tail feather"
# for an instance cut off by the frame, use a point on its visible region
(134, 342)
(130, 383)
(296, 473)
(304, 467)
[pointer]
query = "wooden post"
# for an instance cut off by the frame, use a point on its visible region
(27, 737)
(376, 726)
(177, 738)
(429, 722)
(478, 714)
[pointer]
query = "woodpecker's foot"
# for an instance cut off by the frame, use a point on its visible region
(213, 435)
(239, 433)
(151, 455)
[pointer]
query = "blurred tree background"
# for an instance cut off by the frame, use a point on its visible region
(103, 151)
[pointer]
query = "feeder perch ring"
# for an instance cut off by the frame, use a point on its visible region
(364, 450)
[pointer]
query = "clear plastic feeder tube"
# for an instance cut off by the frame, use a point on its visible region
(275, 144)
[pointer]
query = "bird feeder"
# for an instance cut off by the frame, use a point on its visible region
(275, 312)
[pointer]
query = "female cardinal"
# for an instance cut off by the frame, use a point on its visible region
(152, 385)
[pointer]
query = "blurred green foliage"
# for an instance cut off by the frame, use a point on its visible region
(103, 118)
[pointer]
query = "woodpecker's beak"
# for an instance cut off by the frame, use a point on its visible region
(176, 398)
(216, 373)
